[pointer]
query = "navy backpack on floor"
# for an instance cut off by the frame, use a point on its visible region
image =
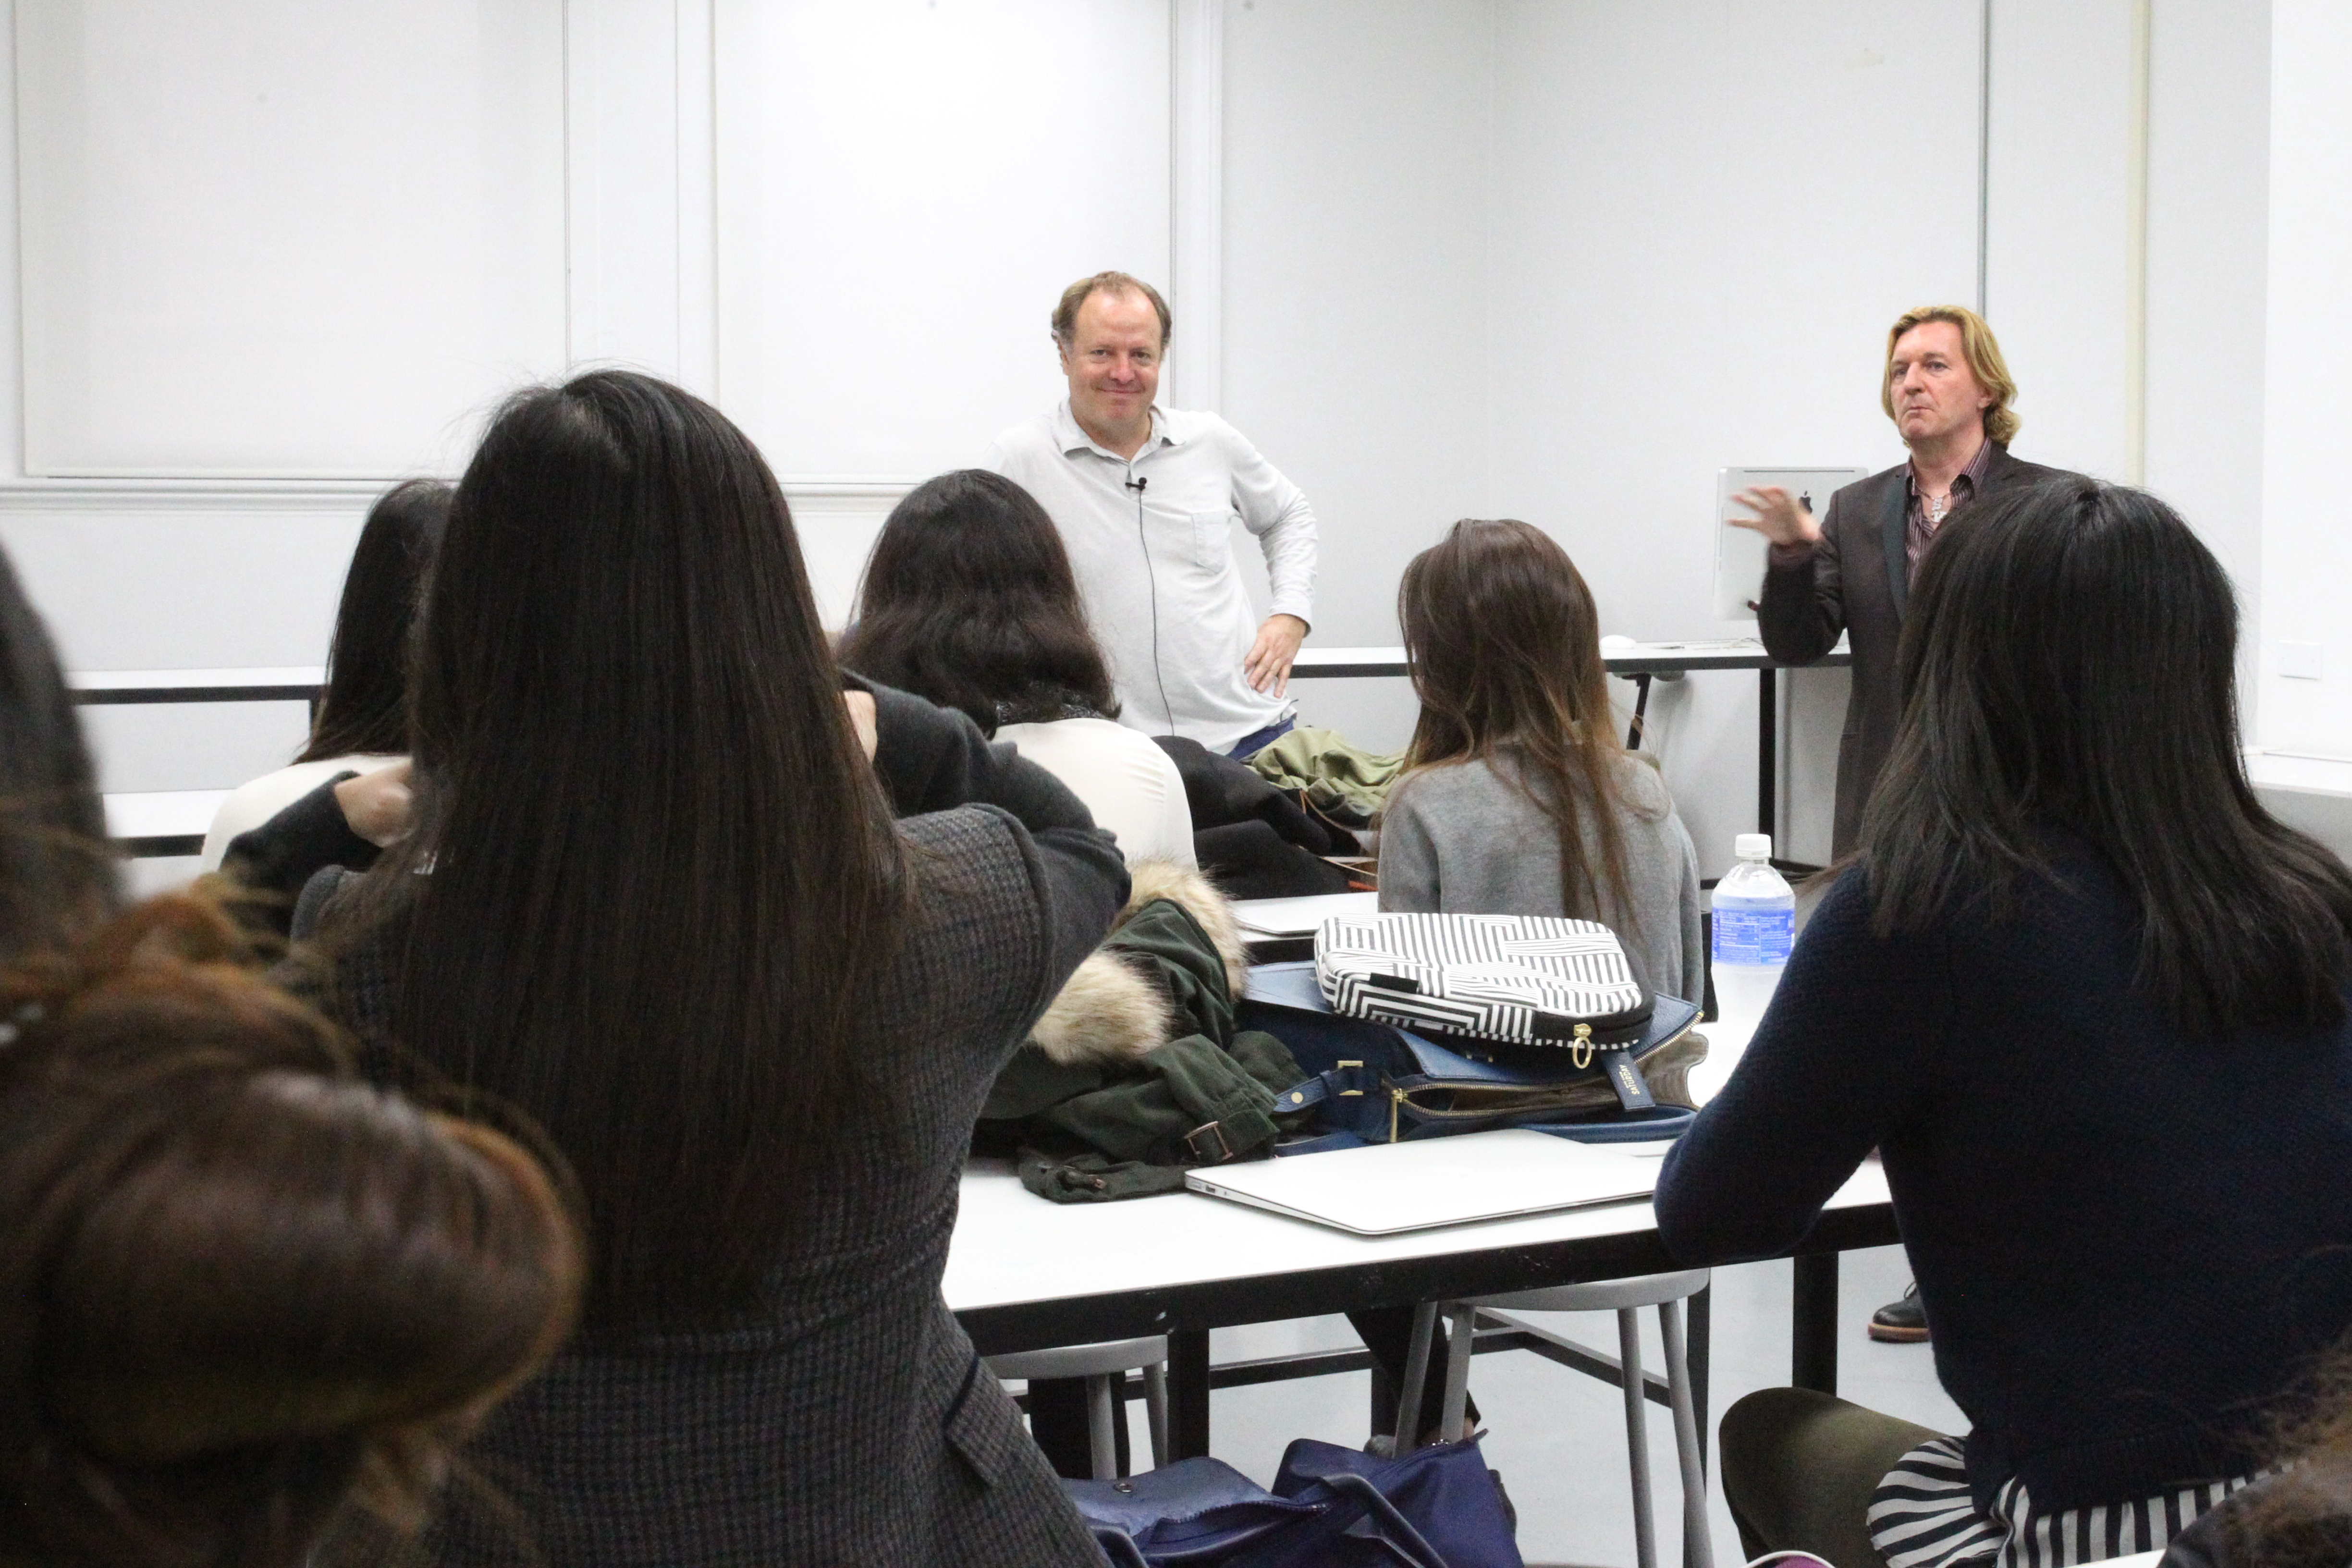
(1437, 1507)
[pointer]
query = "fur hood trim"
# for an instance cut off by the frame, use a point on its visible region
(1109, 1011)
(1106, 1012)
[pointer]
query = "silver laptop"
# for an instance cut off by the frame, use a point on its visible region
(1740, 551)
(1302, 916)
(1390, 1188)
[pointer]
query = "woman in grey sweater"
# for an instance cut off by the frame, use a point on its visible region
(1520, 800)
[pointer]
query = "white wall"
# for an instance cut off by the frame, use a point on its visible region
(290, 247)
(2058, 240)
(2209, 189)
(1357, 142)
(372, 216)
(2307, 547)
(2061, 246)
(904, 189)
(1705, 218)
(1440, 258)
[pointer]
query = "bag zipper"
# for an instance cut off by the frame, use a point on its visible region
(1398, 1098)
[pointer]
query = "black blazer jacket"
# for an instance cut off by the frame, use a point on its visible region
(1859, 582)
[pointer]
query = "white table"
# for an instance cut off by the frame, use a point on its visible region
(1023, 1273)
(1629, 658)
(172, 822)
(162, 822)
(1639, 661)
(276, 683)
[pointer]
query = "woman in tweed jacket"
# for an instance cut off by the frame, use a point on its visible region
(654, 897)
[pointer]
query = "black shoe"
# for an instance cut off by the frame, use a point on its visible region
(1903, 1322)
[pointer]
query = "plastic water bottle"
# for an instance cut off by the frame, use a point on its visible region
(1755, 920)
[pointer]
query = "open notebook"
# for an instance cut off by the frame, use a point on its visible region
(1390, 1188)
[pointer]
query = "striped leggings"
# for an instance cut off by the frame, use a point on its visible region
(1805, 1471)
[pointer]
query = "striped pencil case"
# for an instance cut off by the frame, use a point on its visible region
(1524, 979)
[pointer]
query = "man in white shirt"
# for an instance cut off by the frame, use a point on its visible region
(1144, 499)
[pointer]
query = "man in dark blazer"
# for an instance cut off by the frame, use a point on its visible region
(1949, 393)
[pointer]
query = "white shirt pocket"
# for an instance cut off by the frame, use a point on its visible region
(1213, 539)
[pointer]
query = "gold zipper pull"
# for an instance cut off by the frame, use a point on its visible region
(1396, 1102)
(1581, 1053)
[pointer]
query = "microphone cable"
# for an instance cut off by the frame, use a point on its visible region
(1152, 577)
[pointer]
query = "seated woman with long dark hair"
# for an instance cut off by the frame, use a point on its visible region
(655, 897)
(968, 601)
(362, 725)
(1519, 798)
(2088, 1000)
(249, 1305)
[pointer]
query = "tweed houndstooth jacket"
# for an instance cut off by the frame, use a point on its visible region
(854, 1424)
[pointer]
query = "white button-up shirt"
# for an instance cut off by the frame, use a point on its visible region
(1155, 564)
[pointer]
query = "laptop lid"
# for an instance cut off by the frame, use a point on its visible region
(1739, 553)
(1390, 1188)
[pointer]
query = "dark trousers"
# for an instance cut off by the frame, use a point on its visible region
(1800, 1468)
(1058, 1420)
(1257, 741)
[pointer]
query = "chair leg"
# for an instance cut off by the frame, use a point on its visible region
(1461, 1329)
(1637, 1435)
(1417, 1372)
(1155, 1411)
(1100, 1407)
(1699, 1547)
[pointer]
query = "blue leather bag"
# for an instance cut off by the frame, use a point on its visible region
(1437, 1507)
(1374, 1083)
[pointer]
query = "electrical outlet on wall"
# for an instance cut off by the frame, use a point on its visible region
(2301, 660)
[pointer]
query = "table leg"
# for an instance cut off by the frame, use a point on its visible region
(1698, 1326)
(1641, 711)
(1698, 1329)
(1814, 1324)
(1188, 1393)
(1767, 749)
(1384, 1402)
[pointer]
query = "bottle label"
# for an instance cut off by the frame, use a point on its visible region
(1753, 936)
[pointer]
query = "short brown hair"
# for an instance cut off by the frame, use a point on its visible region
(1978, 347)
(1065, 314)
(250, 1301)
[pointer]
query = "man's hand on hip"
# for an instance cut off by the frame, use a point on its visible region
(1268, 664)
(1779, 517)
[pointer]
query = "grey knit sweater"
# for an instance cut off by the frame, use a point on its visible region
(1460, 839)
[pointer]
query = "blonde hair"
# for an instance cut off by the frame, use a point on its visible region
(1979, 347)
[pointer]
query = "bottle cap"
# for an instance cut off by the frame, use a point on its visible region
(1753, 847)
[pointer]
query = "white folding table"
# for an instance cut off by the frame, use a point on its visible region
(1023, 1273)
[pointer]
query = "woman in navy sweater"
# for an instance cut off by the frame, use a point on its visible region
(2088, 1000)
